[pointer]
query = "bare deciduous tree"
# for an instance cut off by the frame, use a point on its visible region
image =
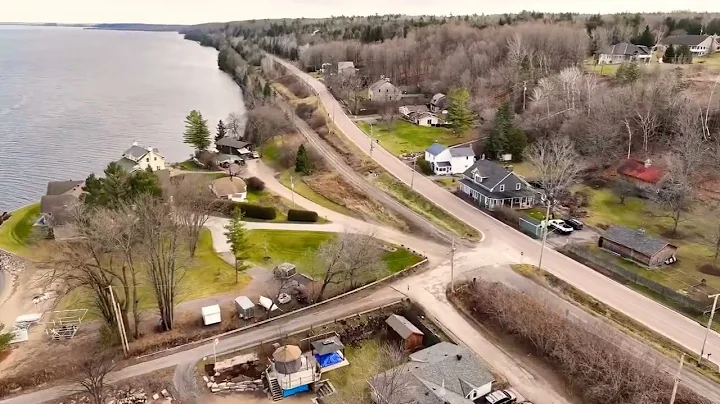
(713, 239)
(556, 163)
(266, 121)
(162, 239)
(92, 374)
(233, 124)
(193, 202)
(623, 188)
(347, 259)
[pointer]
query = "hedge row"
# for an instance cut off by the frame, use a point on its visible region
(295, 215)
(228, 208)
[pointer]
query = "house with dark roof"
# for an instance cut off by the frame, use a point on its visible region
(235, 147)
(406, 110)
(400, 328)
(438, 103)
(624, 52)
(441, 374)
(637, 246)
(141, 158)
(700, 45)
(383, 91)
(445, 160)
(491, 185)
(641, 173)
(56, 207)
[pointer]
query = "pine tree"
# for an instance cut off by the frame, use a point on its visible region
(497, 143)
(302, 162)
(627, 73)
(516, 143)
(197, 133)
(683, 54)
(237, 238)
(646, 38)
(221, 131)
(460, 116)
(267, 90)
(669, 56)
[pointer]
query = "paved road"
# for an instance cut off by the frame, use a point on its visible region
(501, 238)
(322, 314)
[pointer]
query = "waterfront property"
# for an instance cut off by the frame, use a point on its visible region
(491, 185)
(57, 205)
(141, 158)
(235, 147)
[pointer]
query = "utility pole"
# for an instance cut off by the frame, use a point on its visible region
(452, 266)
(292, 190)
(524, 93)
(677, 379)
(707, 331)
(118, 319)
(545, 232)
(412, 178)
(372, 144)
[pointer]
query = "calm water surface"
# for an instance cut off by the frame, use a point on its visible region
(72, 100)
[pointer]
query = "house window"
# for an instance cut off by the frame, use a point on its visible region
(517, 186)
(502, 188)
(154, 158)
(147, 160)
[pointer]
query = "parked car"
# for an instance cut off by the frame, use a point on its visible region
(499, 397)
(671, 260)
(255, 155)
(560, 226)
(575, 224)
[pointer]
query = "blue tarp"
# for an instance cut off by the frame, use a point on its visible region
(328, 359)
(295, 390)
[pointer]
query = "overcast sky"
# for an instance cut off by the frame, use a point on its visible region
(195, 11)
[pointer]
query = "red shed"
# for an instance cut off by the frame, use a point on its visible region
(404, 330)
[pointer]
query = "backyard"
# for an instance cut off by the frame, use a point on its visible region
(15, 232)
(404, 137)
(364, 364)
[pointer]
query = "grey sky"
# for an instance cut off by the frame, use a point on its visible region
(193, 11)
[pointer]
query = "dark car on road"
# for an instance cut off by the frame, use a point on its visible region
(575, 224)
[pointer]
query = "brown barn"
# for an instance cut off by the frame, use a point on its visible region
(641, 173)
(402, 329)
(637, 246)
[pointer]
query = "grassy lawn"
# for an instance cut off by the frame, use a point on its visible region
(710, 61)
(207, 275)
(405, 137)
(351, 381)
(15, 232)
(536, 213)
(424, 207)
(526, 170)
(189, 165)
(300, 247)
(302, 189)
(448, 183)
(602, 69)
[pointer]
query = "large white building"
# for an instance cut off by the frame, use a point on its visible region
(140, 158)
(449, 160)
(700, 45)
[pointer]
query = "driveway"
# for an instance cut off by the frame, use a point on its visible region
(504, 244)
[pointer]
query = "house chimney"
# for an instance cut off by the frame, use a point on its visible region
(149, 148)
(648, 163)
(135, 143)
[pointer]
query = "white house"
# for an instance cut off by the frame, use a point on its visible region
(230, 188)
(700, 45)
(449, 160)
(383, 91)
(624, 52)
(140, 158)
(423, 118)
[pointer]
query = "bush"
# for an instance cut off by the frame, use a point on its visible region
(295, 215)
(316, 121)
(228, 208)
(299, 89)
(255, 184)
(424, 166)
(304, 111)
(207, 159)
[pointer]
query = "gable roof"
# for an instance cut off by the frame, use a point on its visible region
(462, 151)
(378, 84)
(59, 207)
(446, 365)
(61, 187)
(135, 152)
(231, 142)
(493, 172)
(435, 149)
(345, 65)
(689, 40)
(402, 326)
(625, 48)
(636, 240)
(126, 164)
(638, 170)
(437, 98)
(415, 108)
(327, 345)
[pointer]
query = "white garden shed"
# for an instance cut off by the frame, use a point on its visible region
(211, 314)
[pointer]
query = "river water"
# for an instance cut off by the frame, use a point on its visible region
(72, 100)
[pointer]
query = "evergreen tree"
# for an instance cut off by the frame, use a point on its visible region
(119, 187)
(516, 143)
(646, 38)
(497, 143)
(669, 56)
(683, 54)
(302, 162)
(267, 90)
(236, 234)
(460, 116)
(197, 133)
(627, 73)
(221, 131)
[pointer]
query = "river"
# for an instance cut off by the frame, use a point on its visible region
(72, 100)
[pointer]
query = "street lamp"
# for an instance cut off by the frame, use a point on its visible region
(712, 313)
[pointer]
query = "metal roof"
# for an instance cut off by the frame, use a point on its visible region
(637, 240)
(435, 149)
(402, 326)
(244, 302)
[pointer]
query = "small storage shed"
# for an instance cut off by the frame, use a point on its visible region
(401, 327)
(211, 314)
(285, 270)
(245, 307)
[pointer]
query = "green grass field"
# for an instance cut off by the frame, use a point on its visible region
(302, 189)
(15, 232)
(405, 137)
(351, 381)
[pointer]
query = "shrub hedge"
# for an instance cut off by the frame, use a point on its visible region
(228, 208)
(295, 215)
(255, 184)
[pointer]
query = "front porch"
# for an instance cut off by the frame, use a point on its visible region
(523, 199)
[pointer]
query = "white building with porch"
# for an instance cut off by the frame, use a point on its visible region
(491, 185)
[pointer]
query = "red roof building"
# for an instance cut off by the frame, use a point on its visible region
(641, 172)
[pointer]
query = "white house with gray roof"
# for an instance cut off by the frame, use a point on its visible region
(140, 158)
(441, 374)
(624, 52)
(383, 91)
(445, 160)
(700, 45)
(491, 185)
